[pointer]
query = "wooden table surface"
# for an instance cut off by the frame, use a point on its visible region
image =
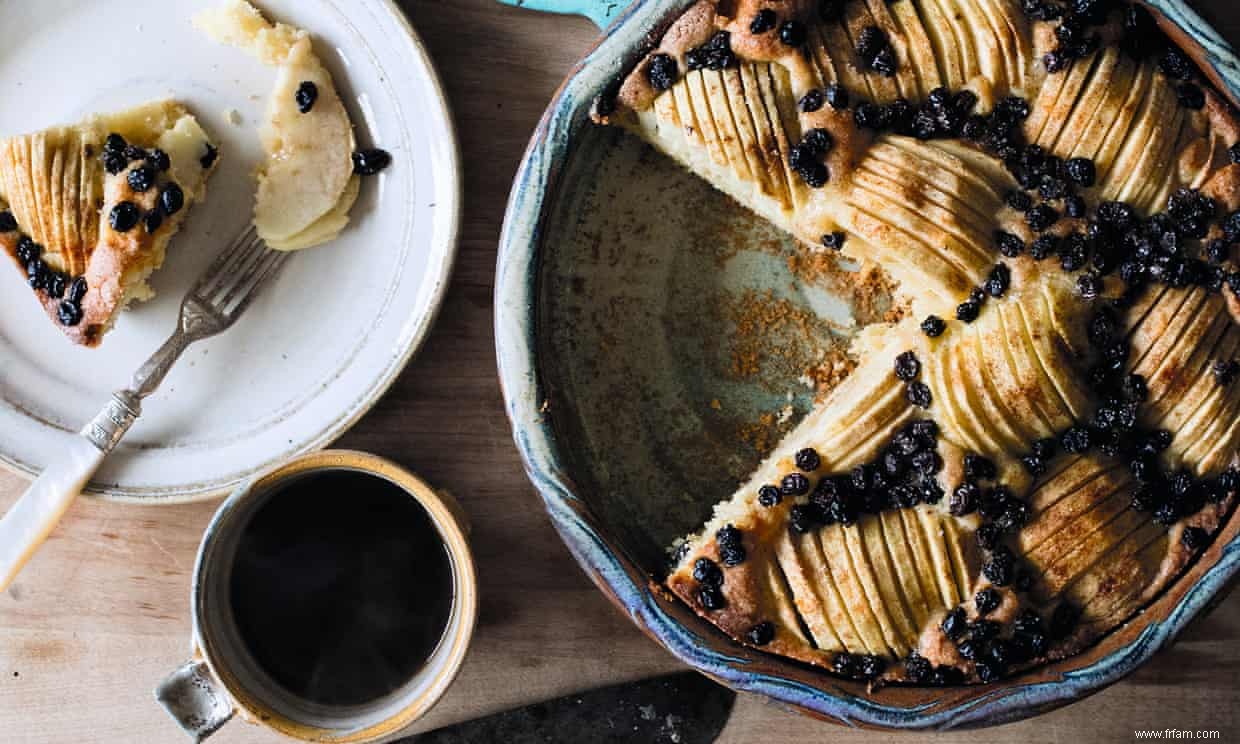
(102, 613)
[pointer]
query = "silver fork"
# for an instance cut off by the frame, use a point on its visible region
(212, 306)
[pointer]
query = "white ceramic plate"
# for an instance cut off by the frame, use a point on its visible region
(319, 347)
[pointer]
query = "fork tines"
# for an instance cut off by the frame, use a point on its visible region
(238, 274)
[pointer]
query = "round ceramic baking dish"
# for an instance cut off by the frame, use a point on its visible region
(604, 336)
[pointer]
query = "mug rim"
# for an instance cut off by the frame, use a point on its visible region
(451, 523)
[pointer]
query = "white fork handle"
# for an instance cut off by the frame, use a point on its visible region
(24, 528)
(28, 523)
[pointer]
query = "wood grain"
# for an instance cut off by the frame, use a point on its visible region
(102, 613)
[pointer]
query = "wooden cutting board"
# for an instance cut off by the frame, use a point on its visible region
(102, 613)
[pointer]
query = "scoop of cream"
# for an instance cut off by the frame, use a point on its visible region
(306, 186)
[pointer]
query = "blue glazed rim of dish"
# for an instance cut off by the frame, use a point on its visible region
(620, 577)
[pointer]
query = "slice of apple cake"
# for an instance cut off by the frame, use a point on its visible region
(1050, 439)
(88, 210)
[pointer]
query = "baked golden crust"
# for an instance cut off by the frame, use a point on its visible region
(1024, 366)
(60, 195)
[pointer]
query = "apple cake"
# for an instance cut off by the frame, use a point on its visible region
(88, 211)
(1049, 436)
(310, 179)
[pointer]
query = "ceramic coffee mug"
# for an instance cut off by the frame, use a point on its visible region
(222, 680)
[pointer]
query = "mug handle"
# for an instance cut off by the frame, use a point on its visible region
(195, 700)
(602, 12)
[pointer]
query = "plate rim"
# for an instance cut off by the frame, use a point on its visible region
(628, 586)
(438, 280)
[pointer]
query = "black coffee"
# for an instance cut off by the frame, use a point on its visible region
(342, 587)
